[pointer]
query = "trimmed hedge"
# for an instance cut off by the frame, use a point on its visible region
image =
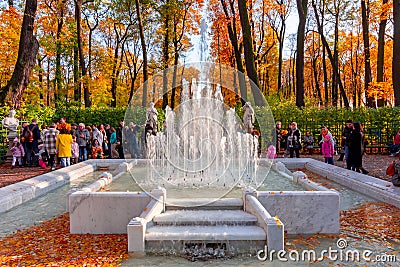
(379, 124)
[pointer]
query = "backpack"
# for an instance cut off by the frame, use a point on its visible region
(390, 169)
(28, 135)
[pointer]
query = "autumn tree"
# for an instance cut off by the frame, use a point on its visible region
(278, 15)
(367, 56)
(335, 66)
(82, 64)
(381, 45)
(28, 48)
(185, 18)
(230, 16)
(396, 52)
(9, 41)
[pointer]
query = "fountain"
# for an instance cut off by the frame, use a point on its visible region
(203, 151)
(198, 149)
(179, 200)
(202, 168)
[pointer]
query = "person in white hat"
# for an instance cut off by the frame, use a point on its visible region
(18, 152)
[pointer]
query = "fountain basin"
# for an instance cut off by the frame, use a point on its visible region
(149, 217)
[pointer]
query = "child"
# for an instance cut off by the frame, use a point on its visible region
(97, 151)
(271, 152)
(17, 151)
(42, 156)
(327, 148)
(74, 150)
(309, 142)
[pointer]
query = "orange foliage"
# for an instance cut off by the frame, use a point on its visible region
(10, 26)
(51, 244)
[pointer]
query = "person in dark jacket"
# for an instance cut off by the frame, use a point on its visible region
(82, 138)
(32, 146)
(345, 143)
(120, 133)
(356, 147)
(294, 141)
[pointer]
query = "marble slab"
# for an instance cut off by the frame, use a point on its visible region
(273, 227)
(18, 193)
(105, 212)
(304, 212)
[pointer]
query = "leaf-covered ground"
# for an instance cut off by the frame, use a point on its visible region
(376, 164)
(10, 176)
(51, 244)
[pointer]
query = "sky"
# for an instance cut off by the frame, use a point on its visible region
(193, 55)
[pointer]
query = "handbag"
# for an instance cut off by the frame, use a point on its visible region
(297, 145)
(390, 169)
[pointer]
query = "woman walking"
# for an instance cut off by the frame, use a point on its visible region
(356, 148)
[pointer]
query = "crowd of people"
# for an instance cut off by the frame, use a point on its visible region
(64, 143)
(353, 143)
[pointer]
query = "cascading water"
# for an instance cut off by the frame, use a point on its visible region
(202, 144)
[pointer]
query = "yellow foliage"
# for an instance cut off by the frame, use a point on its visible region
(380, 90)
(10, 24)
(100, 90)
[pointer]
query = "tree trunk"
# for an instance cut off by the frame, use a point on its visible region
(367, 57)
(77, 78)
(117, 62)
(133, 75)
(40, 77)
(381, 48)
(335, 78)
(315, 72)
(58, 78)
(10, 3)
(86, 93)
(280, 54)
(325, 71)
(249, 54)
(144, 53)
(48, 83)
(114, 78)
(27, 50)
(324, 67)
(173, 93)
(165, 60)
(302, 11)
(396, 52)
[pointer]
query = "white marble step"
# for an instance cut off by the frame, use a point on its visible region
(205, 217)
(205, 233)
(204, 203)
